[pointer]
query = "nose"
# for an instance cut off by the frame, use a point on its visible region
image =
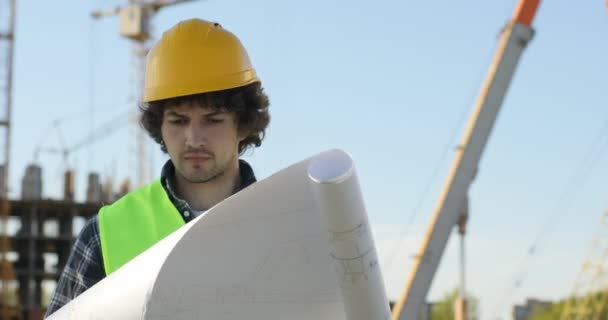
(195, 136)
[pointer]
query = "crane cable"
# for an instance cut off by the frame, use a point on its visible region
(92, 57)
(449, 146)
(580, 176)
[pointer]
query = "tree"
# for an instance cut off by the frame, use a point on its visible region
(550, 313)
(597, 308)
(444, 308)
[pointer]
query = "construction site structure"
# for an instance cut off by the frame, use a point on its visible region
(47, 230)
(135, 25)
(589, 298)
(529, 308)
(8, 309)
(452, 208)
(42, 232)
(26, 250)
(31, 184)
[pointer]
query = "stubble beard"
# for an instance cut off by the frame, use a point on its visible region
(203, 175)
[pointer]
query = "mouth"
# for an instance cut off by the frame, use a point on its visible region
(197, 157)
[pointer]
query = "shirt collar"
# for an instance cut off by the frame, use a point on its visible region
(168, 170)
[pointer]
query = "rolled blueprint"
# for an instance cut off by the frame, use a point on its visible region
(344, 219)
(260, 254)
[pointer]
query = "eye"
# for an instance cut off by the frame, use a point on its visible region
(178, 121)
(215, 120)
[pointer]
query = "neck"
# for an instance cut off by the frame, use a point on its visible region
(202, 196)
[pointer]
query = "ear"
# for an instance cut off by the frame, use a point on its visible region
(242, 135)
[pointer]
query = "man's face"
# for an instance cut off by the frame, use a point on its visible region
(202, 143)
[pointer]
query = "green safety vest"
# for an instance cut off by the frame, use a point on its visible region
(134, 223)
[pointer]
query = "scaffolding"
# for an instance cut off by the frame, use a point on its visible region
(43, 244)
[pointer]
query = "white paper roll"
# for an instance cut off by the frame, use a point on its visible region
(343, 215)
(261, 254)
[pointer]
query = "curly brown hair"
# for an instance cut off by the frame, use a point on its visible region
(249, 104)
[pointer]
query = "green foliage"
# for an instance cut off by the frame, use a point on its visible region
(594, 306)
(444, 308)
(551, 313)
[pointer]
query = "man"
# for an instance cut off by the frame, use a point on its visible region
(204, 105)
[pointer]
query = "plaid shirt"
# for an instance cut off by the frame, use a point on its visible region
(84, 267)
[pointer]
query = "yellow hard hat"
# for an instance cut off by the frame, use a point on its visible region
(196, 56)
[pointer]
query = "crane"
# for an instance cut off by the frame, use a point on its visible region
(7, 39)
(452, 207)
(134, 25)
(103, 131)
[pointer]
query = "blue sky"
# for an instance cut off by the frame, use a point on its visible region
(391, 82)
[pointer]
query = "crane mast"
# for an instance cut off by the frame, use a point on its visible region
(7, 39)
(452, 208)
(135, 25)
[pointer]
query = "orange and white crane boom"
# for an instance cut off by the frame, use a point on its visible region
(451, 209)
